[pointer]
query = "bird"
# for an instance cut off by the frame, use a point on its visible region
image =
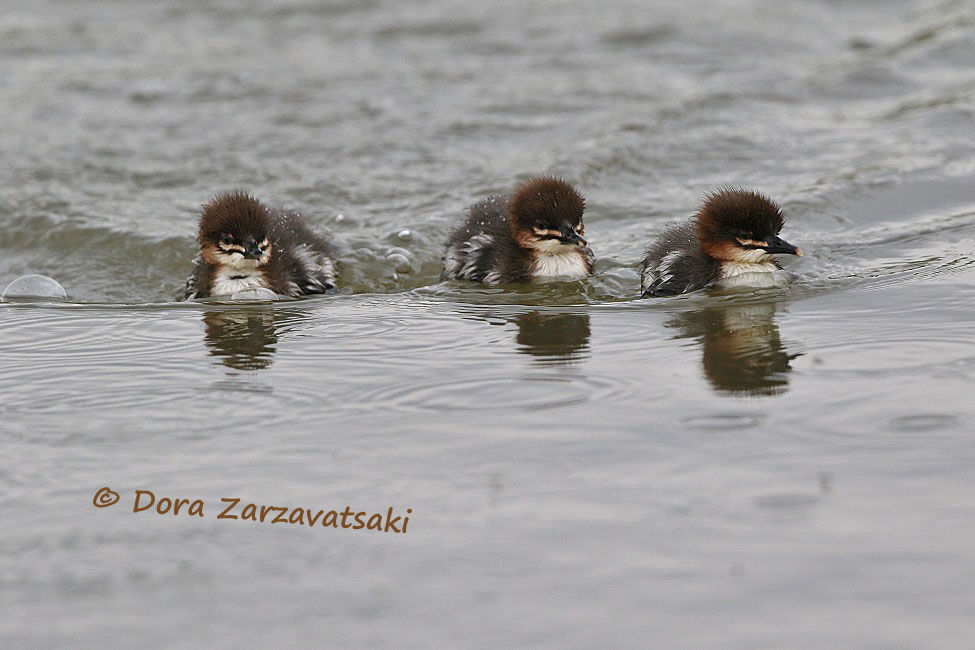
(731, 239)
(533, 233)
(245, 245)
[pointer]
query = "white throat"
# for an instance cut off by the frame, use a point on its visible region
(748, 260)
(560, 260)
(752, 268)
(228, 281)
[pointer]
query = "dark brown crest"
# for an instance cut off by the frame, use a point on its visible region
(235, 213)
(739, 213)
(550, 201)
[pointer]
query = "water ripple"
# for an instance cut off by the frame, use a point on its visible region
(488, 393)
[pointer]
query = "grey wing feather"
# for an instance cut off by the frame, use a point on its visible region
(194, 283)
(473, 246)
(675, 263)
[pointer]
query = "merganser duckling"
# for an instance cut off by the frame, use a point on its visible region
(735, 232)
(244, 245)
(536, 232)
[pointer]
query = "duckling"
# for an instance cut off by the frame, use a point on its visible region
(734, 233)
(535, 232)
(245, 245)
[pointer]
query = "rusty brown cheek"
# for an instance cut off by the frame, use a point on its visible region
(210, 253)
(720, 250)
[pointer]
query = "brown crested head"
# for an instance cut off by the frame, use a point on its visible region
(546, 212)
(234, 231)
(737, 224)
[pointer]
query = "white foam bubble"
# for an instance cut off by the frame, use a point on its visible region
(399, 262)
(34, 286)
(255, 294)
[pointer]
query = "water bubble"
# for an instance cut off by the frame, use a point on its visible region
(399, 262)
(255, 294)
(405, 234)
(34, 286)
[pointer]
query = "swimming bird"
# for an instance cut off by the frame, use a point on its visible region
(735, 233)
(535, 232)
(245, 245)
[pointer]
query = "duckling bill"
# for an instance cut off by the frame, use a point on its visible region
(535, 232)
(735, 232)
(246, 245)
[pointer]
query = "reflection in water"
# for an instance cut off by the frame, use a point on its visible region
(245, 338)
(741, 352)
(554, 337)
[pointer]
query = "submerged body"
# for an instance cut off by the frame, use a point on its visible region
(245, 246)
(536, 232)
(729, 242)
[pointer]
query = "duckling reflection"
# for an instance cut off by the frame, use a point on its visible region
(244, 339)
(742, 352)
(558, 338)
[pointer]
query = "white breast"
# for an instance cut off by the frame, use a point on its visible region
(569, 264)
(731, 269)
(228, 282)
(752, 275)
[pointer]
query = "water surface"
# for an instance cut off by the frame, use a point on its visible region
(776, 468)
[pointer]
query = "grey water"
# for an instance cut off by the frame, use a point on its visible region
(769, 468)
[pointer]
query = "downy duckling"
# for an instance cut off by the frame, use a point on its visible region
(535, 232)
(735, 232)
(245, 245)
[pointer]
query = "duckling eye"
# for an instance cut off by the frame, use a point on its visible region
(540, 225)
(226, 240)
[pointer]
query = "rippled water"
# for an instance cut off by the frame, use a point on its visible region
(778, 468)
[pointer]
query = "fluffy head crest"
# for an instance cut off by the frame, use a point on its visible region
(234, 213)
(735, 212)
(545, 200)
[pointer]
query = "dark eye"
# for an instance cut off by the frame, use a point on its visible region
(540, 225)
(226, 240)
